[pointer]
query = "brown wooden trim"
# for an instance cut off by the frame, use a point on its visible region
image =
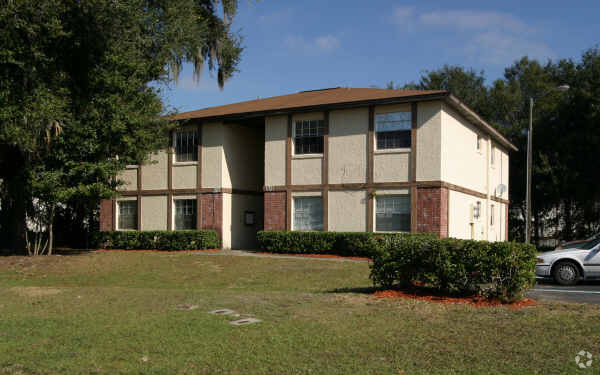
(413, 168)
(169, 183)
(371, 146)
(413, 209)
(370, 213)
(288, 210)
(199, 180)
(325, 209)
(189, 192)
(139, 197)
(114, 214)
(288, 153)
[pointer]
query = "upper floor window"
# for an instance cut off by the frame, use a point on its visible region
(308, 213)
(185, 214)
(479, 142)
(127, 215)
(392, 213)
(186, 145)
(308, 137)
(393, 130)
(493, 156)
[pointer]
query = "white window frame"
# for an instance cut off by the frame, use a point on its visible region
(492, 213)
(293, 219)
(477, 210)
(493, 156)
(294, 137)
(383, 150)
(118, 215)
(379, 196)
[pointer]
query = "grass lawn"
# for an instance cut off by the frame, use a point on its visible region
(115, 312)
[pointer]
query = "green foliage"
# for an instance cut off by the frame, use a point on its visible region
(156, 240)
(498, 269)
(336, 243)
(78, 93)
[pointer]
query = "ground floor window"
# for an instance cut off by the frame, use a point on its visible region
(392, 213)
(127, 215)
(308, 213)
(185, 214)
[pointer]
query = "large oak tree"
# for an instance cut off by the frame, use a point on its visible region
(77, 90)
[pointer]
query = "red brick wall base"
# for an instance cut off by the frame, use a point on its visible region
(211, 212)
(275, 210)
(106, 214)
(432, 210)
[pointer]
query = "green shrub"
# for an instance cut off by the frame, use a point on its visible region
(157, 240)
(335, 243)
(498, 269)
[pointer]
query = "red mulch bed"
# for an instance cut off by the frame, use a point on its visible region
(316, 256)
(478, 301)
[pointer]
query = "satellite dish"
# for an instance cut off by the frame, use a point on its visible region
(500, 189)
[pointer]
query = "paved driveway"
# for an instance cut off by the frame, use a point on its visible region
(588, 292)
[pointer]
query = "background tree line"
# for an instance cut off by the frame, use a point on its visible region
(566, 137)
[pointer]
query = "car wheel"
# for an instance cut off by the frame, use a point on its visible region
(566, 273)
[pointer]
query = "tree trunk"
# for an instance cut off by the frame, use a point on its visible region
(51, 229)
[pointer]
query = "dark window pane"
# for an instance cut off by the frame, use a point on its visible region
(392, 213)
(185, 214)
(308, 137)
(308, 213)
(394, 139)
(186, 146)
(127, 215)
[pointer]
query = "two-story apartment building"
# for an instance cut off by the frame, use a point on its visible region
(341, 159)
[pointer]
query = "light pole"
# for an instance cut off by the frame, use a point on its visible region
(561, 88)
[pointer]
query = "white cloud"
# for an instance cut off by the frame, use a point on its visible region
(403, 15)
(489, 37)
(278, 17)
(474, 20)
(320, 44)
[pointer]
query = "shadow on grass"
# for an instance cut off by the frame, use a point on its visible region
(60, 251)
(362, 290)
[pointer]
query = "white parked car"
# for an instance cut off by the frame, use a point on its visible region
(571, 263)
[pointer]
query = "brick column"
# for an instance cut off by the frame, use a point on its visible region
(106, 214)
(275, 210)
(211, 212)
(432, 210)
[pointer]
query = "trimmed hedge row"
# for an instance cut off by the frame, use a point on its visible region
(157, 240)
(496, 269)
(335, 243)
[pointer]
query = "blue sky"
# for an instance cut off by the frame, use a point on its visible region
(292, 46)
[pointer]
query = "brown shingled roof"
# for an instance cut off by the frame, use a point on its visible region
(303, 99)
(337, 97)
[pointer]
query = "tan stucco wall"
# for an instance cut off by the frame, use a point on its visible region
(348, 134)
(184, 176)
(307, 170)
(347, 211)
(497, 232)
(154, 175)
(226, 230)
(499, 173)
(391, 167)
(154, 213)
(244, 236)
(462, 164)
(429, 133)
(459, 215)
(275, 150)
(212, 155)
(129, 178)
(243, 163)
